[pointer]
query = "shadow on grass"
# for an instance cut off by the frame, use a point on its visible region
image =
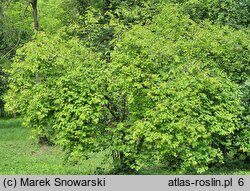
(10, 123)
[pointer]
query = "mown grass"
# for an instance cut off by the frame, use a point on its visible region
(19, 155)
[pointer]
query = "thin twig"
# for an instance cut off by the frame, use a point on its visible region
(19, 34)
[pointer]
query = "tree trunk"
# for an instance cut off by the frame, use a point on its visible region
(34, 6)
(42, 139)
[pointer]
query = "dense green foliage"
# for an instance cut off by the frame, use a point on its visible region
(174, 92)
(227, 12)
(144, 84)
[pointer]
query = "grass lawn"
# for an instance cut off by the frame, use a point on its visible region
(20, 155)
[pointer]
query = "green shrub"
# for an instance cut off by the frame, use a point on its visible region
(168, 93)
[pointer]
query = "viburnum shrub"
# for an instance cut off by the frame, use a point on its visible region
(175, 105)
(167, 93)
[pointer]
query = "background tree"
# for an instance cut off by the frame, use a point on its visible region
(226, 12)
(18, 20)
(14, 32)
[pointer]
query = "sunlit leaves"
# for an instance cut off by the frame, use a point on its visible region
(170, 90)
